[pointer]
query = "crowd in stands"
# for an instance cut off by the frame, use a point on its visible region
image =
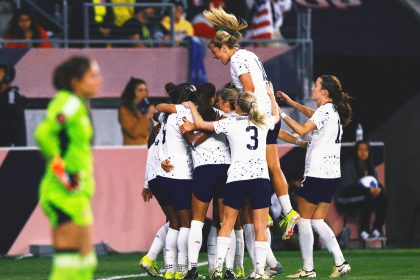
(147, 26)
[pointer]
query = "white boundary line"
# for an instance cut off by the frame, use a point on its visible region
(139, 275)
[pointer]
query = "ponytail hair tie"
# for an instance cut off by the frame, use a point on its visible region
(253, 103)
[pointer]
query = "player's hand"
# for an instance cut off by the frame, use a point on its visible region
(69, 181)
(146, 194)
(284, 97)
(187, 126)
(167, 165)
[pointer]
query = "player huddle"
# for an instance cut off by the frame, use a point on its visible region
(188, 166)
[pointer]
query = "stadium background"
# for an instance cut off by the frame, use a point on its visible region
(374, 49)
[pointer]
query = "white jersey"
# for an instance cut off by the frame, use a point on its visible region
(150, 173)
(323, 152)
(215, 150)
(155, 155)
(243, 61)
(177, 151)
(247, 144)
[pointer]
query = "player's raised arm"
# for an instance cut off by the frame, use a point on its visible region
(307, 111)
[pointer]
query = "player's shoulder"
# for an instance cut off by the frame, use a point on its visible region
(241, 54)
(66, 102)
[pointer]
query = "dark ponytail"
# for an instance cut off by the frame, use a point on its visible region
(340, 99)
(205, 92)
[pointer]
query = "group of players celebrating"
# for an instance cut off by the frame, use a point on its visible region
(229, 154)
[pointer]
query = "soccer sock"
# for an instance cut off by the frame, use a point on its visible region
(195, 239)
(221, 250)
(327, 237)
(182, 243)
(260, 256)
(240, 248)
(88, 264)
(158, 242)
(66, 266)
(249, 235)
(171, 250)
(306, 243)
(211, 248)
(230, 256)
(286, 206)
(271, 259)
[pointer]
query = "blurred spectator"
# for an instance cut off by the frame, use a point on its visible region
(202, 27)
(24, 26)
(364, 199)
(144, 26)
(122, 13)
(108, 19)
(135, 113)
(278, 8)
(182, 26)
(12, 115)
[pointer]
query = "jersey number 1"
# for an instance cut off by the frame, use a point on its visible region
(338, 140)
(253, 137)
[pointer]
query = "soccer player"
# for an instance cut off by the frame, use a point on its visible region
(176, 183)
(322, 169)
(247, 175)
(211, 163)
(225, 102)
(248, 74)
(153, 169)
(64, 138)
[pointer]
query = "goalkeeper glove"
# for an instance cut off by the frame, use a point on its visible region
(68, 180)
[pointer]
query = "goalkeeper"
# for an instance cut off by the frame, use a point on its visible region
(64, 138)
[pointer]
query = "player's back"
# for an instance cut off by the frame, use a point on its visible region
(175, 148)
(248, 147)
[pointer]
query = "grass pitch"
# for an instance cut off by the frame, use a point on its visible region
(366, 264)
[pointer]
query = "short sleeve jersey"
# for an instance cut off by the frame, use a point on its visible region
(215, 150)
(176, 150)
(324, 146)
(247, 144)
(243, 61)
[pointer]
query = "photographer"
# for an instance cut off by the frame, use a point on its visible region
(135, 112)
(12, 115)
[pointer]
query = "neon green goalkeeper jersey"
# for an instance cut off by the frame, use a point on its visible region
(67, 132)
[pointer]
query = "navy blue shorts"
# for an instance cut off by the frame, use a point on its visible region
(175, 192)
(316, 190)
(257, 190)
(159, 193)
(209, 181)
(272, 134)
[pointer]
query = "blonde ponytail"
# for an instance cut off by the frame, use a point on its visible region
(227, 27)
(248, 104)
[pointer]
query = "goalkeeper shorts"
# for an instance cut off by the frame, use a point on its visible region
(63, 207)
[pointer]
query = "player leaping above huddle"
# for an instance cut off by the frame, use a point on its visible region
(248, 75)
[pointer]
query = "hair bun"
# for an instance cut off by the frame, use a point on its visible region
(170, 88)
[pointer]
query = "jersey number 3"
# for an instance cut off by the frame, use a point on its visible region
(254, 137)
